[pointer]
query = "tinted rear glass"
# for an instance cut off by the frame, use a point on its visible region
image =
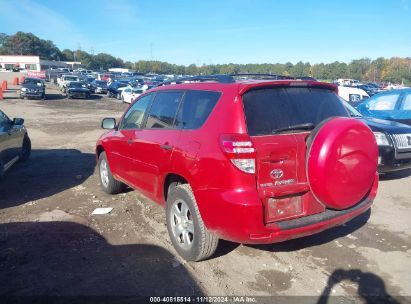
(275, 108)
(163, 110)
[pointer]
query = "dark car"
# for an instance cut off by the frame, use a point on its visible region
(15, 143)
(33, 88)
(393, 139)
(77, 89)
(88, 81)
(368, 89)
(98, 86)
(113, 89)
(391, 105)
(251, 161)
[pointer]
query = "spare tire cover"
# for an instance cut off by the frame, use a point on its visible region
(342, 159)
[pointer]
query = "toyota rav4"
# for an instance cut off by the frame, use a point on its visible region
(247, 160)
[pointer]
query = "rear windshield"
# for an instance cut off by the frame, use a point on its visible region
(71, 78)
(270, 109)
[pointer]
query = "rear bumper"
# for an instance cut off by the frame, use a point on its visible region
(238, 216)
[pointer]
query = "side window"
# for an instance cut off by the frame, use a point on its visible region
(196, 108)
(163, 110)
(135, 115)
(384, 103)
(406, 103)
(4, 120)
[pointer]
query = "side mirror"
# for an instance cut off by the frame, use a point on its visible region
(108, 123)
(18, 121)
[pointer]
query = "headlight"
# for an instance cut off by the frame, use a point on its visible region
(381, 139)
(24, 89)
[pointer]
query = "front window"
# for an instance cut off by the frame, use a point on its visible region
(70, 78)
(77, 85)
(4, 120)
(133, 119)
(33, 81)
(271, 109)
(101, 83)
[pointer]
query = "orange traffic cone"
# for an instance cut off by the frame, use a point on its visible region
(1, 93)
(22, 79)
(4, 85)
(16, 81)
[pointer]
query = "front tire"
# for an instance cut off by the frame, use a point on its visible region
(25, 149)
(108, 183)
(185, 226)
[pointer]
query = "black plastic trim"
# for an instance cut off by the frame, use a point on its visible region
(328, 214)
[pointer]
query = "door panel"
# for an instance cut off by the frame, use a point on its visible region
(122, 158)
(154, 145)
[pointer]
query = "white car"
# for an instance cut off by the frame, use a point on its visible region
(354, 96)
(65, 80)
(128, 94)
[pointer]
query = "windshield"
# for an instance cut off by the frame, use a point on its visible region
(269, 110)
(77, 85)
(100, 83)
(33, 81)
(71, 78)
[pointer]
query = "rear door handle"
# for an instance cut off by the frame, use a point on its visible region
(131, 141)
(166, 147)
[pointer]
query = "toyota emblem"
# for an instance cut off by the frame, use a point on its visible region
(276, 173)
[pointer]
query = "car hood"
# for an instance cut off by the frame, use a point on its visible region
(78, 89)
(388, 126)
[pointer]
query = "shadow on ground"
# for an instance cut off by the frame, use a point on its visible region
(371, 288)
(395, 175)
(45, 173)
(69, 259)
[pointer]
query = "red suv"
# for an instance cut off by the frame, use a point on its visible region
(250, 161)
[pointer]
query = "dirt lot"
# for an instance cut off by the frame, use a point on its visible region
(50, 244)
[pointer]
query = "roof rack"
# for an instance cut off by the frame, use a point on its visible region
(225, 78)
(221, 78)
(261, 76)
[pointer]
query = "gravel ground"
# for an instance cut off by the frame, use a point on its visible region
(50, 244)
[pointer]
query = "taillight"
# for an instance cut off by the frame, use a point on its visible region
(240, 151)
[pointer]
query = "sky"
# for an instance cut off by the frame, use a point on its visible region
(219, 31)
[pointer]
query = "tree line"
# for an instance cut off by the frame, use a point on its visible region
(395, 70)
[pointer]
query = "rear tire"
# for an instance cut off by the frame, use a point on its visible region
(109, 184)
(185, 226)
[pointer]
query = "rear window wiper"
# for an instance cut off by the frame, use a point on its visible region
(306, 126)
